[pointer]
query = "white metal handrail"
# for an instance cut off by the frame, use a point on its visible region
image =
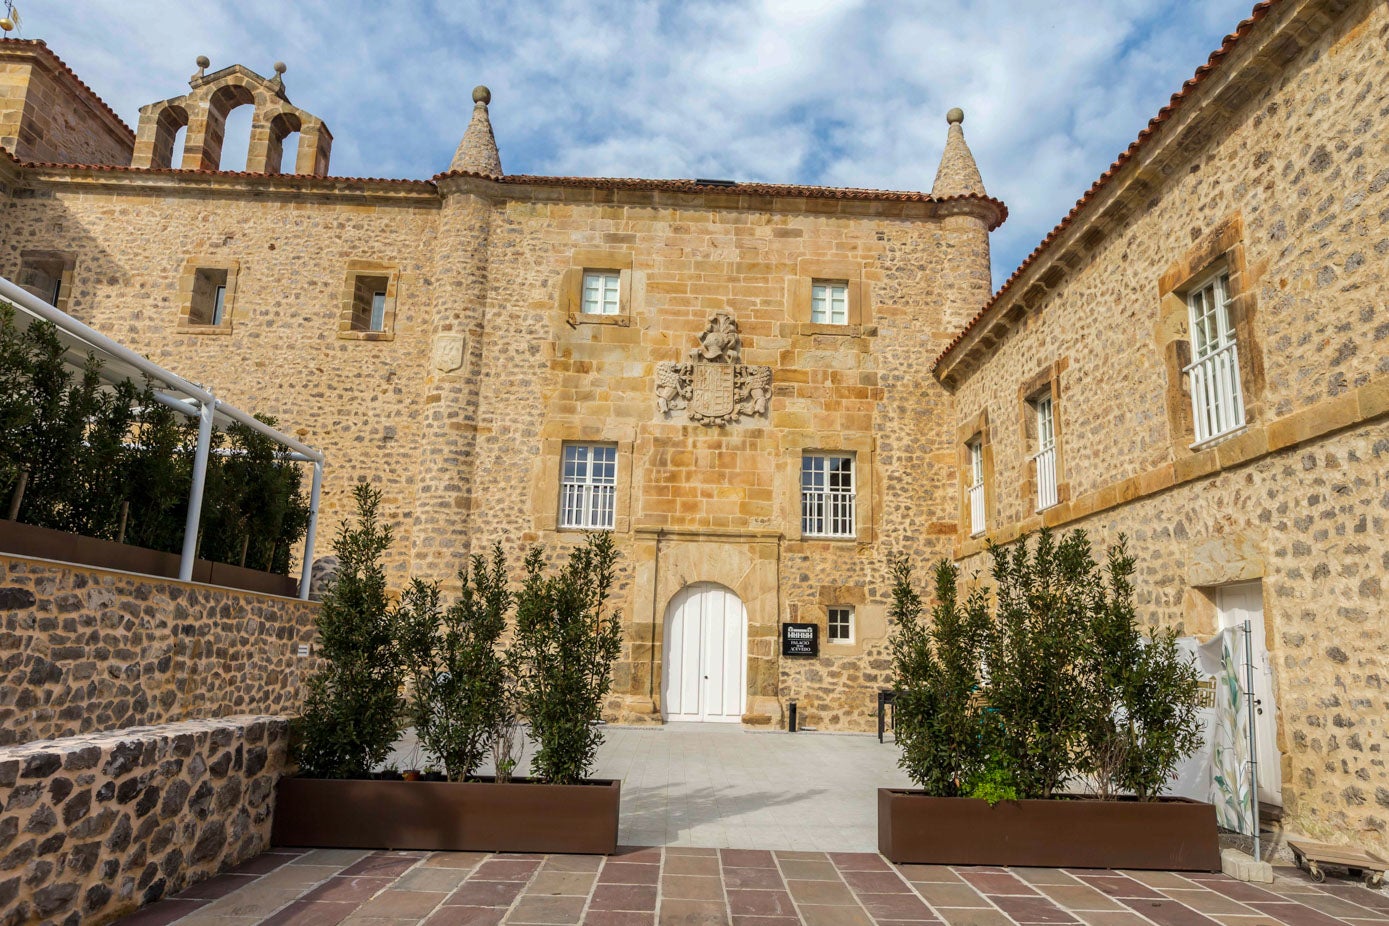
(1046, 477)
(1216, 402)
(827, 513)
(976, 509)
(196, 402)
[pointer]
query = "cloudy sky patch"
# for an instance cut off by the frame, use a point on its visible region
(837, 92)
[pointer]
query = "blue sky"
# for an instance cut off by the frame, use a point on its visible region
(833, 92)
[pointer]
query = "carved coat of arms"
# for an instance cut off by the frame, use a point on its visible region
(714, 386)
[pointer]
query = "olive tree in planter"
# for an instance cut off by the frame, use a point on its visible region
(1070, 688)
(558, 668)
(352, 713)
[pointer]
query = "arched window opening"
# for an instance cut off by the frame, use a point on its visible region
(169, 135)
(228, 141)
(284, 144)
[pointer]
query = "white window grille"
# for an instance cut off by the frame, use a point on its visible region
(601, 288)
(588, 486)
(1217, 403)
(829, 302)
(1046, 454)
(827, 495)
(378, 312)
(841, 625)
(976, 489)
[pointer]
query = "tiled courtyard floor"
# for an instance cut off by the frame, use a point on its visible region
(739, 887)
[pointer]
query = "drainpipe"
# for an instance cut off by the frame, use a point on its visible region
(195, 494)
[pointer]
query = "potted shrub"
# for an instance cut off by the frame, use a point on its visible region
(1006, 697)
(464, 694)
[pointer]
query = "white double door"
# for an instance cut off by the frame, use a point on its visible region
(705, 659)
(1237, 604)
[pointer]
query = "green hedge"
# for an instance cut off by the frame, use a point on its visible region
(92, 449)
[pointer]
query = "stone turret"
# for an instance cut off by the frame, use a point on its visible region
(958, 174)
(477, 152)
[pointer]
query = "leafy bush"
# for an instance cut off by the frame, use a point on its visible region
(353, 708)
(458, 677)
(937, 714)
(1054, 680)
(70, 434)
(562, 656)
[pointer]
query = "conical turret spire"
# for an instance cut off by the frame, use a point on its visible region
(958, 174)
(477, 152)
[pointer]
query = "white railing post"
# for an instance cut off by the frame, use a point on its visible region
(206, 411)
(306, 576)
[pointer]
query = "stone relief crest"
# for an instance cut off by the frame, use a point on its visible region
(714, 387)
(448, 352)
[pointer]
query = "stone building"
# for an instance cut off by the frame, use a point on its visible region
(737, 379)
(1197, 357)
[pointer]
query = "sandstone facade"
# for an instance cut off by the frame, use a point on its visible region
(83, 651)
(94, 827)
(1271, 169)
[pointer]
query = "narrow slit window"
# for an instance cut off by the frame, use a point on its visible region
(378, 311)
(977, 523)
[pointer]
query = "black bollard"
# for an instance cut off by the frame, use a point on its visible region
(791, 716)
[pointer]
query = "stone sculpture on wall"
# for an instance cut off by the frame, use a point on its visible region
(714, 387)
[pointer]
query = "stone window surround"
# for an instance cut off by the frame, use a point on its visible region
(348, 309)
(1220, 250)
(799, 292)
(973, 431)
(67, 262)
(571, 287)
(546, 489)
(794, 446)
(186, 281)
(1046, 382)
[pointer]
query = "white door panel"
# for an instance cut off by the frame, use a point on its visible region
(705, 660)
(1236, 604)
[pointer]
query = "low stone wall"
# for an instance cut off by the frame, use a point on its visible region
(85, 649)
(93, 827)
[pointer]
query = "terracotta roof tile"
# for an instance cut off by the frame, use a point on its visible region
(173, 171)
(1154, 126)
(42, 47)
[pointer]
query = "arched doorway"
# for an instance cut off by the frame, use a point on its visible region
(705, 664)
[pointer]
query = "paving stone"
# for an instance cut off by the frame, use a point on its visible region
(213, 888)
(876, 882)
(820, 892)
(505, 869)
(974, 916)
(618, 918)
(747, 858)
(1167, 912)
(628, 897)
(340, 857)
(766, 921)
(691, 887)
(255, 901)
(809, 870)
(760, 903)
(1045, 876)
(1295, 914)
(1111, 918)
(562, 911)
(813, 915)
(691, 865)
(758, 879)
(162, 913)
(1208, 902)
(1032, 910)
(485, 893)
(937, 874)
(628, 873)
(466, 916)
(573, 863)
(940, 894)
(650, 855)
(421, 878)
(996, 883)
(692, 913)
(454, 860)
(349, 889)
(1119, 886)
(896, 908)
(311, 913)
(859, 861)
(399, 904)
(383, 866)
(298, 875)
(1075, 896)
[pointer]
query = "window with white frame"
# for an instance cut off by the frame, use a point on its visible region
(841, 625)
(1217, 404)
(1045, 456)
(601, 292)
(827, 495)
(976, 488)
(829, 302)
(588, 486)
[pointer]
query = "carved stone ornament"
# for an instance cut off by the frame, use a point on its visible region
(448, 353)
(714, 387)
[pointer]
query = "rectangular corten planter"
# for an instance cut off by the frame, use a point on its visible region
(475, 816)
(1173, 834)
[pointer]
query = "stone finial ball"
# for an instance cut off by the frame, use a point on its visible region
(955, 116)
(203, 61)
(482, 95)
(280, 67)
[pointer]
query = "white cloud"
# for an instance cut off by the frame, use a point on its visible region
(839, 92)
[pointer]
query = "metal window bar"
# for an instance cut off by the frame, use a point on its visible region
(185, 397)
(976, 509)
(827, 497)
(1217, 401)
(1045, 456)
(588, 493)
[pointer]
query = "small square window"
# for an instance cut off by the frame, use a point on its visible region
(829, 302)
(208, 305)
(827, 495)
(601, 289)
(45, 274)
(841, 625)
(588, 487)
(369, 302)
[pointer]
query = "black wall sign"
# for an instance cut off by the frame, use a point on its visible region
(800, 640)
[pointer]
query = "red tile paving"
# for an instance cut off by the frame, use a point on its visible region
(737, 887)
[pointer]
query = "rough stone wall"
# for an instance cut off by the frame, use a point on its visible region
(280, 353)
(94, 827)
(45, 115)
(1293, 190)
(82, 650)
